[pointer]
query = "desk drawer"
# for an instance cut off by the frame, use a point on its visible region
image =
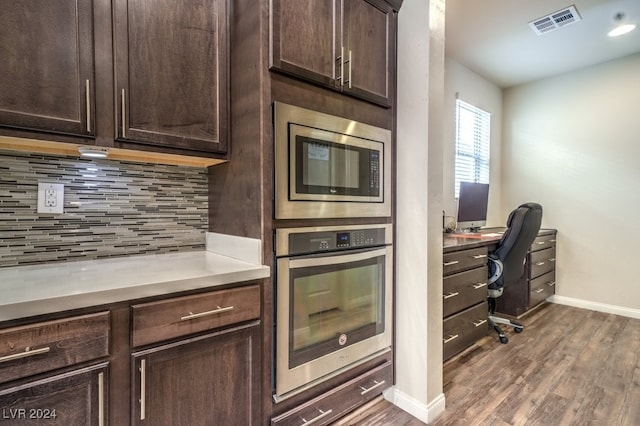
(543, 242)
(46, 346)
(463, 289)
(541, 262)
(181, 316)
(461, 330)
(339, 401)
(542, 287)
(464, 259)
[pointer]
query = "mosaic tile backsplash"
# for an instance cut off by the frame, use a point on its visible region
(111, 209)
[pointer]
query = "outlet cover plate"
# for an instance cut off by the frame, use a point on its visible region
(50, 197)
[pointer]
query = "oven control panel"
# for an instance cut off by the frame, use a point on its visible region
(320, 241)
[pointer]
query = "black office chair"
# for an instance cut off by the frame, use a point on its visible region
(506, 263)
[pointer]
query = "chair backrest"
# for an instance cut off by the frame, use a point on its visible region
(523, 225)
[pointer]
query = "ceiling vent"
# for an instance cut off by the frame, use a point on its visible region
(555, 20)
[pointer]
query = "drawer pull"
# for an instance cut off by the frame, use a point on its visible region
(479, 322)
(551, 283)
(553, 259)
(453, 262)
(322, 415)
(552, 241)
(450, 295)
(450, 338)
(218, 310)
(540, 243)
(27, 352)
(479, 285)
(480, 256)
(540, 290)
(539, 263)
(377, 385)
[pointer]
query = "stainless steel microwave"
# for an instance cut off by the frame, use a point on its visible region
(329, 167)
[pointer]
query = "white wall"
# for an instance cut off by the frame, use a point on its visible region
(572, 143)
(418, 340)
(476, 90)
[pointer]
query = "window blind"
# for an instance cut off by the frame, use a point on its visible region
(473, 130)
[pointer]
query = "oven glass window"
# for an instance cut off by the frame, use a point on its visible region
(334, 306)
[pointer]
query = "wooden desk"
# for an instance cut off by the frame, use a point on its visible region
(465, 284)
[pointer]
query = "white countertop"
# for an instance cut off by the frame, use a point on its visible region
(40, 289)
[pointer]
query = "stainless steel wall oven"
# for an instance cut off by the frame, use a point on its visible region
(328, 167)
(334, 301)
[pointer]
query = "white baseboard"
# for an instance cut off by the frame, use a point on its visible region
(425, 413)
(595, 306)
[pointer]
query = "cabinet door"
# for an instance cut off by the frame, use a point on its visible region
(47, 65)
(209, 380)
(171, 73)
(78, 397)
(305, 39)
(369, 46)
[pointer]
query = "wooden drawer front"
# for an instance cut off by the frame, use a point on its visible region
(542, 287)
(339, 401)
(543, 242)
(463, 289)
(464, 259)
(46, 346)
(181, 316)
(461, 330)
(541, 262)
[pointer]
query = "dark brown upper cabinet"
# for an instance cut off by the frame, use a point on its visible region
(47, 66)
(345, 45)
(171, 78)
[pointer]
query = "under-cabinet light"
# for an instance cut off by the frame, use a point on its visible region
(93, 152)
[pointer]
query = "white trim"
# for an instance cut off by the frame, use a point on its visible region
(425, 413)
(241, 248)
(595, 306)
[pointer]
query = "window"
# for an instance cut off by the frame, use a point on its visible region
(473, 129)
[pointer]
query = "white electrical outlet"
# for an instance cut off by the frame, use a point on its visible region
(50, 197)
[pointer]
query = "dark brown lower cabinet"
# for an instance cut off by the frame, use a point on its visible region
(204, 380)
(77, 397)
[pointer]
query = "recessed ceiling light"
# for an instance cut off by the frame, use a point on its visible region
(623, 26)
(93, 152)
(621, 29)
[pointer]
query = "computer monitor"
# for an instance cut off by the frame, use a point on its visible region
(472, 206)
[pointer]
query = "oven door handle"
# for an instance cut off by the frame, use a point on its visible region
(337, 258)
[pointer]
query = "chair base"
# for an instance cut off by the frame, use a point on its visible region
(494, 321)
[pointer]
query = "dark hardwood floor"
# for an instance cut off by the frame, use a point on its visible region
(570, 367)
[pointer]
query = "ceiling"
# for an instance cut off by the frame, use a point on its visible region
(493, 37)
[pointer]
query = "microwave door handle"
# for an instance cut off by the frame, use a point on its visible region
(337, 258)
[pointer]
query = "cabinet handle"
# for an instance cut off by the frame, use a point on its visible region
(551, 283)
(553, 259)
(218, 310)
(540, 290)
(450, 338)
(540, 243)
(341, 61)
(539, 263)
(480, 256)
(322, 415)
(480, 322)
(453, 262)
(377, 385)
(349, 60)
(27, 352)
(450, 295)
(88, 99)
(124, 115)
(101, 399)
(552, 241)
(143, 390)
(479, 285)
